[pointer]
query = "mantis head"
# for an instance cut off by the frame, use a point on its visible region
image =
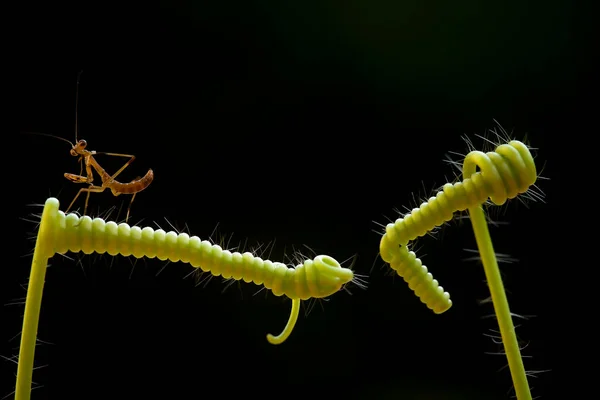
(78, 148)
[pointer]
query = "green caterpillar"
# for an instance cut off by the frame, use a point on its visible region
(317, 278)
(60, 233)
(504, 174)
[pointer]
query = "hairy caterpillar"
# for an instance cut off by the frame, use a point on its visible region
(316, 278)
(60, 233)
(503, 174)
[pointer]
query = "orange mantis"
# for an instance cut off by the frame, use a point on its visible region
(86, 157)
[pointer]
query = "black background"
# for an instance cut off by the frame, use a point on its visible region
(302, 124)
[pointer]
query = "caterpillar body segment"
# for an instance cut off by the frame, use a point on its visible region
(316, 278)
(503, 175)
(419, 279)
(498, 175)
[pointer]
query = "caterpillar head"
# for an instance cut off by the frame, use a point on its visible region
(317, 278)
(328, 276)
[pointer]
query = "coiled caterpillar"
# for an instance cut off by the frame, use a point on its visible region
(503, 174)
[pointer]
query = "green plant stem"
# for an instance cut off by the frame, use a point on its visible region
(494, 280)
(30, 325)
(35, 289)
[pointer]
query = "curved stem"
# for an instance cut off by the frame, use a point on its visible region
(289, 326)
(33, 305)
(507, 329)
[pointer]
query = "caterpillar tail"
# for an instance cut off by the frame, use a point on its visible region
(60, 233)
(282, 337)
(419, 279)
(498, 175)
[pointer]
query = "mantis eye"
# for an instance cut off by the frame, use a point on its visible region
(82, 143)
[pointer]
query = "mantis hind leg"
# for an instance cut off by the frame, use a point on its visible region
(132, 197)
(129, 207)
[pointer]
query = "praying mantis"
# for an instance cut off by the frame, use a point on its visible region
(86, 157)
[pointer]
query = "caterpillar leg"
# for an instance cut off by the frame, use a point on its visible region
(282, 337)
